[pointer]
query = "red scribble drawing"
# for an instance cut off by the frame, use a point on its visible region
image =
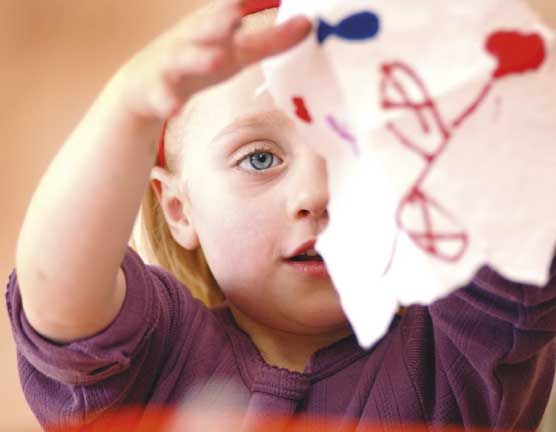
(301, 110)
(516, 53)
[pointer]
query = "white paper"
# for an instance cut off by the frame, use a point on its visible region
(478, 149)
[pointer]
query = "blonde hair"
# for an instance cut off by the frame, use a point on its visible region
(157, 244)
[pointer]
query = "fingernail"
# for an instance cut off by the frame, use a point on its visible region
(301, 21)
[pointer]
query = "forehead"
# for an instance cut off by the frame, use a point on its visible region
(235, 103)
(241, 96)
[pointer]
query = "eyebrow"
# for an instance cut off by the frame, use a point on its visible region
(279, 118)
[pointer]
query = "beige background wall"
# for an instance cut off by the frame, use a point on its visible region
(55, 56)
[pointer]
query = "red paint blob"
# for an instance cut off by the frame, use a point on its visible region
(516, 52)
(301, 110)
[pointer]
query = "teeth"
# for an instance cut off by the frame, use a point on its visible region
(311, 253)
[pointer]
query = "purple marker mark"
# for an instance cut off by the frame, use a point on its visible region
(343, 133)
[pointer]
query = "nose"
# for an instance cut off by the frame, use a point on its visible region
(308, 198)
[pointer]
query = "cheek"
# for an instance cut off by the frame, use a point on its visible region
(239, 238)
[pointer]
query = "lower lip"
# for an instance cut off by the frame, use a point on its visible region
(310, 268)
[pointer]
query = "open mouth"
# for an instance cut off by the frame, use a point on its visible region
(310, 255)
(309, 263)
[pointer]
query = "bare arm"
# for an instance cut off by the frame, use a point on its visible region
(79, 221)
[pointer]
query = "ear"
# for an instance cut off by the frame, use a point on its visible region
(173, 198)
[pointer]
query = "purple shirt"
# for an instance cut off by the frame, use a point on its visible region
(484, 355)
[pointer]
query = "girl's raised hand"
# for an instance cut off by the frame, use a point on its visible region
(202, 50)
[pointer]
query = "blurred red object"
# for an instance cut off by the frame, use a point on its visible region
(254, 6)
(173, 420)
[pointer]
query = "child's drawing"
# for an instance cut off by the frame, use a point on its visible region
(434, 100)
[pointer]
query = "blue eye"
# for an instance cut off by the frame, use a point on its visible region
(259, 161)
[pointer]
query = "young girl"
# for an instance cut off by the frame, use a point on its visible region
(236, 204)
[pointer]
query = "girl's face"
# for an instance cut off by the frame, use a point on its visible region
(256, 192)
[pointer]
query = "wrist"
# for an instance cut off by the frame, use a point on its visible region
(130, 108)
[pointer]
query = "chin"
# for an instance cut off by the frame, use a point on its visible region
(318, 318)
(312, 313)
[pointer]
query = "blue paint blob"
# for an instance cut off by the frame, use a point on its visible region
(359, 26)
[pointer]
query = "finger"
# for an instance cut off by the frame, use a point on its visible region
(254, 47)
(217, 24)
(195, 60)
(163, 103)
(198, 68)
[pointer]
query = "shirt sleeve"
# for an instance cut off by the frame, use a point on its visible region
(495, 350)
(67, 383)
